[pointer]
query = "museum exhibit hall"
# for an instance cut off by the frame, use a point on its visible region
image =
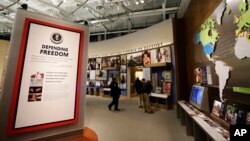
(124, 70)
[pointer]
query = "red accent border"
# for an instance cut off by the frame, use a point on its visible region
(19, 70)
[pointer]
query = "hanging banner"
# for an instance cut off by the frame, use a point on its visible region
(47, 84)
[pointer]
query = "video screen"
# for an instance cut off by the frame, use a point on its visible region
(196, 95)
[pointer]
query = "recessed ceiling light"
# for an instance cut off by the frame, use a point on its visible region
(136, 2)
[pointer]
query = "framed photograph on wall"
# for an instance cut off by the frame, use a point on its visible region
(134, 59)
(92, 74)
(114, 62)
(47, 83)
(110, 62)
(123, 69)
(123, 80)
(98, 63)
(104, 61)
(146, 58)
(124, 59)
(101, 74)
(161, 55)
(92, 64)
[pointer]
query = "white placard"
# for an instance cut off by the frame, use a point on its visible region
(49, 76)
(146, 73)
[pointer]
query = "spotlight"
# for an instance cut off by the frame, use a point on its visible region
(86, 23)
(24, 6)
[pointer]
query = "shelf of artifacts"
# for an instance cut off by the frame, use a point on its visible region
(199, 125)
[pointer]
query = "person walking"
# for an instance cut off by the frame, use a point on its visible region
(138, 88)
(115, 93)
(146, 90)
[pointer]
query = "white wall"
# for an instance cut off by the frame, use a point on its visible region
(159, 33)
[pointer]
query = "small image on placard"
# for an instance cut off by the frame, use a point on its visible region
(36, 87)
(36, 79)
(35, 94)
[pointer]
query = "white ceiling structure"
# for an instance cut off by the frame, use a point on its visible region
(103, 16)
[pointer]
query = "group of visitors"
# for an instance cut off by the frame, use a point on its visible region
(143, 90)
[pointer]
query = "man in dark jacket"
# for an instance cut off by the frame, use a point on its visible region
(115, 93)
(146, 90)
(138, 88)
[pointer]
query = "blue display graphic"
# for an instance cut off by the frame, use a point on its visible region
(208, 49)
(196, 95)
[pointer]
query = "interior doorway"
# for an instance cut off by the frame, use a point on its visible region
(136, 71)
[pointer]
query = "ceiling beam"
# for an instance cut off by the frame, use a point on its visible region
(79, 6)
(163, 9)
(138, 14)
(155, 11)
(90, 9)
(63, 13)
(7, 17)
(7, 7)
(125, 8)
(113, 32)
(6, 25)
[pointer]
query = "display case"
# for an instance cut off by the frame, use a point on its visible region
(159, 71)
(200, 125)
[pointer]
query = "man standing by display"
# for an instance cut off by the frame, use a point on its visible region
(146, 90)
(138, 88)
(115, 93)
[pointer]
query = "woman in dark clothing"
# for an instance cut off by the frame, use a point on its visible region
(115, 93)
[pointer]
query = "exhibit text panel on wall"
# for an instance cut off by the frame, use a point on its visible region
(47, 84)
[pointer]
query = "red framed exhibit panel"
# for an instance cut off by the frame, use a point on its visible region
(47, 83)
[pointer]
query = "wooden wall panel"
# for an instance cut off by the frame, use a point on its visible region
(196, 14)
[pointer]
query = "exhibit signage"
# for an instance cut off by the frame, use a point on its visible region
(47, 84)
(134, 50)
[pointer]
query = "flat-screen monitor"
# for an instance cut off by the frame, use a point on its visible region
(199, 98)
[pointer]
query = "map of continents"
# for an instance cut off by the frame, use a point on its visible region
(208, 37)
(242, 46)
